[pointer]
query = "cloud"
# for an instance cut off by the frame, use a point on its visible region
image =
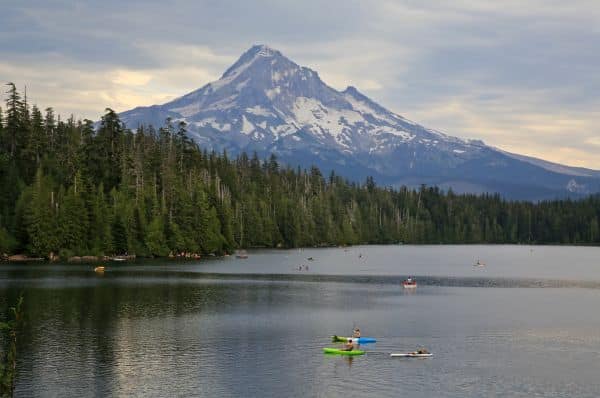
(595, 141)
(86, 92)
(131, 77)
(563, 136)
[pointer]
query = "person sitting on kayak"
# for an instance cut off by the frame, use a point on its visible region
(356, 333)
(348, 347)
(422, 351)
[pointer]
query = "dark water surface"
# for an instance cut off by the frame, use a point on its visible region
(525, 325)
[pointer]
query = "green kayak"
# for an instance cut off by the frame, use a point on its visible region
(338, 339)
(342, 352)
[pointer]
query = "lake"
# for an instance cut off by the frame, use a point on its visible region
(524, 325)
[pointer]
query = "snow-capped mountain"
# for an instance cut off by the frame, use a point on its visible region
(266, 103)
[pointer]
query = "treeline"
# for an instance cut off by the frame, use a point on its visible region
(74, 188)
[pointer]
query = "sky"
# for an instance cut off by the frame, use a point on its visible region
(520, 75)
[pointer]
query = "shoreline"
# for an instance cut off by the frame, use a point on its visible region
(87, 259)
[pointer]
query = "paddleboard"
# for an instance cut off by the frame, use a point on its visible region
(410, 355)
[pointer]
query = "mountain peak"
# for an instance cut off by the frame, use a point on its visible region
(255, 53)
(263, 50)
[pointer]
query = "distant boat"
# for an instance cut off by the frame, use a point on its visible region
(310, 259)
(479, 264)
(241, 254)
(409, 283)
(122, 258)
(99, 269)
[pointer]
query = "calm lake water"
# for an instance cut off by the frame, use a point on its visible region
(527, 324)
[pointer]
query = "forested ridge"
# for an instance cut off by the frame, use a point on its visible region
(73, 189)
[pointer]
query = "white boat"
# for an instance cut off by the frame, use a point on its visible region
(411, 355)
(241, 254)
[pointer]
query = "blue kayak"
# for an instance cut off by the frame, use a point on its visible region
(362, 340)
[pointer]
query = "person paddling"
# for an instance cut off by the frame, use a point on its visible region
(349, 346)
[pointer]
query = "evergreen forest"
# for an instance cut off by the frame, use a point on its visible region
(73, 187)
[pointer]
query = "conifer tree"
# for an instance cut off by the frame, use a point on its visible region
(155, 237)
(50, 128)
(41, 217)
(100, 226)
(38, 143)
(13, 127)
(73, 223)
